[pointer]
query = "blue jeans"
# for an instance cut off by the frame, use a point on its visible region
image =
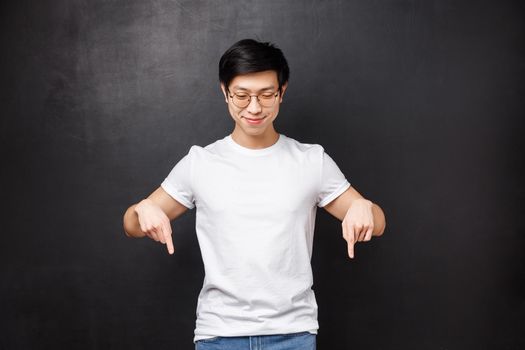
(290, 341)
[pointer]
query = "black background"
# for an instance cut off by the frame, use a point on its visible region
(419, 102)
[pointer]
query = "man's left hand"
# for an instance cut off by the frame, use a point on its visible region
(358, 223)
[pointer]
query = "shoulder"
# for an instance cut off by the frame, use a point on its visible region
(209, 150)
(309, 150)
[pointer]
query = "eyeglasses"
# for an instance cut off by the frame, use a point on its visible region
(265, 99)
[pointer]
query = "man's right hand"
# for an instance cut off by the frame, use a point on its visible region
(154, 223)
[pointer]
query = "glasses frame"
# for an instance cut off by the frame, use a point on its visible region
(258, 99)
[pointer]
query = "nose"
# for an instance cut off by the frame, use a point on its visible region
(254, 107)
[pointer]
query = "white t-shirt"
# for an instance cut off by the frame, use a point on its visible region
(255, 225)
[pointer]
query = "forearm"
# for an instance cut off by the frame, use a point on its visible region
(131, 223)
(379, 220)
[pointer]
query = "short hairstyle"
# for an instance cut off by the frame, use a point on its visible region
(251, 56)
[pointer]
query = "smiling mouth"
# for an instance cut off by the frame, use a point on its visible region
(255, 118)
(254, 121)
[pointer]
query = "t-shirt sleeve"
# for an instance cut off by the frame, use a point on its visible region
(333, 181)
(178, 182)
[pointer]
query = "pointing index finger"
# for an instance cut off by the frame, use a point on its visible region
(351, 242)
(169, 242)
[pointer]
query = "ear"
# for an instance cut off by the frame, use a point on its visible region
(283, 89)
(223, 88)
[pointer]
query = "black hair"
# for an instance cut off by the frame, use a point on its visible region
(251, 56)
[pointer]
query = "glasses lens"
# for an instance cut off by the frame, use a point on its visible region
(243, 100)
(267, 100)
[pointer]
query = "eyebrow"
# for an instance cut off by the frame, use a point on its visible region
(236, 87)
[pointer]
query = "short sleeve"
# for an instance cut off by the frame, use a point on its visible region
(333, 181)
(178, 185)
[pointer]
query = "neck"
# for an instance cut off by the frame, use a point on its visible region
(268, 138)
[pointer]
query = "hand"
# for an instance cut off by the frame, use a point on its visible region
(154, 223)
(358, 223)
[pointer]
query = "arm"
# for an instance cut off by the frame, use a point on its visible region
(361, 219)
(340, 206)
(151, 217)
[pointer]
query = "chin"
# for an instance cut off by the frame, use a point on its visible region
(254, 131)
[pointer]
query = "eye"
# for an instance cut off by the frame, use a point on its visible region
(267, 96)
(242, 96)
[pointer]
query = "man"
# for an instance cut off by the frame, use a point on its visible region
(256, 192)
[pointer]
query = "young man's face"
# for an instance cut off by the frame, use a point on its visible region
(257, 117)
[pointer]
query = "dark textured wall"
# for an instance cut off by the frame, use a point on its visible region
(419, 102)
